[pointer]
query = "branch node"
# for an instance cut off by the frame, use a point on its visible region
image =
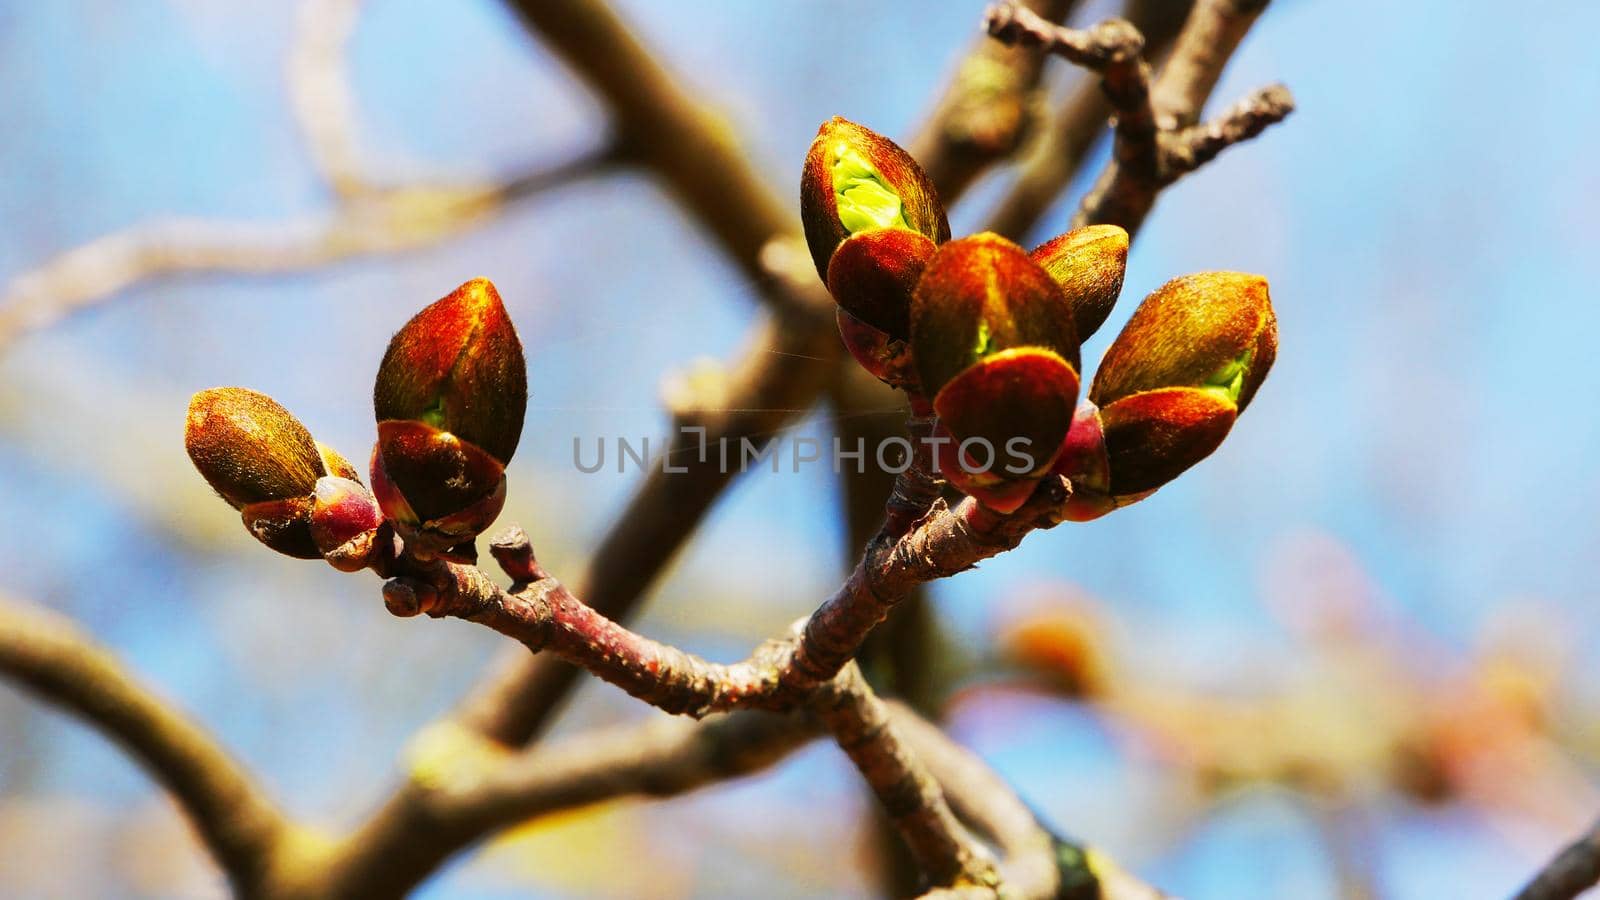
(513, 552)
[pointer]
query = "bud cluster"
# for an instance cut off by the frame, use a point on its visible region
(989, 334)
(450, 397)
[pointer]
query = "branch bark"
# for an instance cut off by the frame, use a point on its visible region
(1574, 870)
(1153, 145)
(241, 828)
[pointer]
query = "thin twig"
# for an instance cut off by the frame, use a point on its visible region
(983, 799)
(1153, 146)
(1075, 128)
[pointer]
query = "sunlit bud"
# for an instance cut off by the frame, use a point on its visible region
(438, 490)
(1153, 436)
(856, 180)
(873, 274)
(1214, 331)
(450, 398)
(1009, 412)
(249, 448)
(1088, 263)
(980, 295)
(262, 461)
(992, 341)
(344, 521)
(1173, 382)
(458, 366)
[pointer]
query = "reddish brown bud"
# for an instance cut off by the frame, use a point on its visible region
(249, 448)
(439, 490)
(857, 180)
(1013, 408)
(1153, 436)
(873, 274)
(1088, 263)
(1214, 331)
(262, 461)
(457, 366)
(980, 295)
(344, 522)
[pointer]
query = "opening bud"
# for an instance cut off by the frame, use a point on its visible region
(438, 490)
(1214, 331)
(344, 522)
(992, 340)
(856, 180)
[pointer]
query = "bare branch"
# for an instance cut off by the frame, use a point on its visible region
(319, 92)
(1074, 129)
(239, 825)
(462, 787)
(674, 135)
(1208, 40)
(914, 801)
(1574, 870)
(779, 675)
(390, 221)
(1197, 145)
(985, 113)
(1125, 194)
(983, 799)
(1152, 150)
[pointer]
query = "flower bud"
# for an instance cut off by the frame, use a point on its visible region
(993, 342)
(1014, 407)
(1153, 436)
(1088, 263)
(344, 522)
(1169, 389)
(249, 448)
(873, 274)
(980, 295)
(450, 398)
(263, 462)
(458, 366)
(438, 490)
(1212, 330)
(856, 180)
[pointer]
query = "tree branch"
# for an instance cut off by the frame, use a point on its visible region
(986, 111)
(1574, 870)
(779, 675)
(1077, 126)
(241, 828)
(914, 801)
(462, 786)
(1152, 150)
(369, 216)
(680, 139)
